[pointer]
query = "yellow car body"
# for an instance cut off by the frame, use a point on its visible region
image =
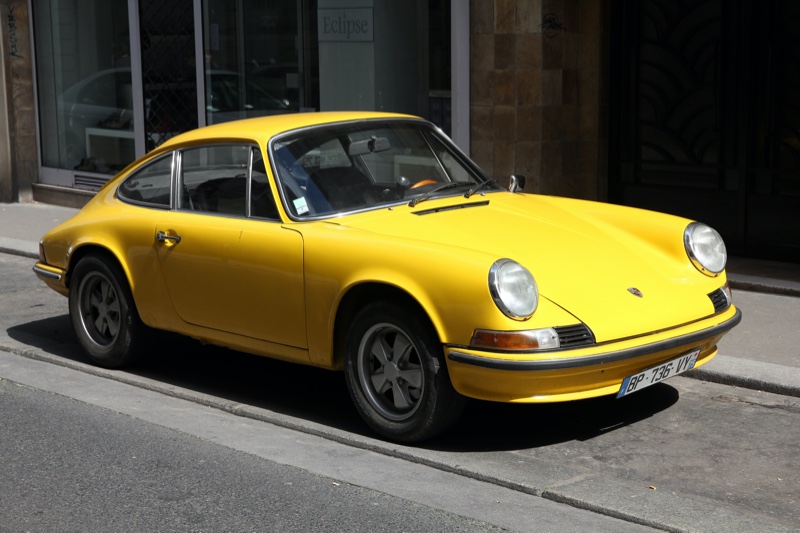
(289, 286)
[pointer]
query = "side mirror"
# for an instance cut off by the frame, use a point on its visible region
(517, 183)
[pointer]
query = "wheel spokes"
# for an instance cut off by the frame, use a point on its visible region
(381, 350)
(394, 372)
(380, 382)
(401, 395)
(413, 376)
(403, 351)
(103, 308)
(113, 315)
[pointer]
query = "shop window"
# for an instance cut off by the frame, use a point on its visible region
(255, 58)
(84, 84)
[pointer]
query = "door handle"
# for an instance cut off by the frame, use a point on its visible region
(163, 237)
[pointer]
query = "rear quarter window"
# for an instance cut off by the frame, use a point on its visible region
(150, 185)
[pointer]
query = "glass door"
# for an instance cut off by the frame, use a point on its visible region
(253, 64)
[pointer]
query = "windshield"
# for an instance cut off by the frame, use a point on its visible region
(336, 169)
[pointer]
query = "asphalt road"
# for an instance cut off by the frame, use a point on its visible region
(69, 466)
(683, 455)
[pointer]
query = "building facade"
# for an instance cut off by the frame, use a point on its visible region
(683, 107)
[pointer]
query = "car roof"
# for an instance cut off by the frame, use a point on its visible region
(263, 128)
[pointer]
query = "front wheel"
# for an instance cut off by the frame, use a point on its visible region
(103, 313)
(397, 376)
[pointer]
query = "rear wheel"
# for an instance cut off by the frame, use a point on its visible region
(397, 376)
(103, 313)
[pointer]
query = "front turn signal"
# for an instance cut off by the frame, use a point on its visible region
(532, 339)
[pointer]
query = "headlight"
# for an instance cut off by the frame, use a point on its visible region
(513, 289)
(705, 248)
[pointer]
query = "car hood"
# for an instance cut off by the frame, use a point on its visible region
(621, 271)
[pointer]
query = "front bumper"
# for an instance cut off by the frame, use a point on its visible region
(580, 373)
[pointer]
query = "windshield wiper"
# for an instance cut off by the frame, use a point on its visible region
(480, 187)
(430, 193)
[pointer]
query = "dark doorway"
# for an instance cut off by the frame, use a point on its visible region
(705, 107)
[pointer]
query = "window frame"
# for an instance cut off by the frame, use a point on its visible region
(252, 148)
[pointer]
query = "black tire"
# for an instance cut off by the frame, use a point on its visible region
(103, 313)
(397, 376)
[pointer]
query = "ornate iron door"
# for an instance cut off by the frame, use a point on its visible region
(706, 97)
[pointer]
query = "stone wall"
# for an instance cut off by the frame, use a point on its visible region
(538, 104)
(18, 158)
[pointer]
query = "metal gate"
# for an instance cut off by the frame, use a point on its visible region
(169, 69)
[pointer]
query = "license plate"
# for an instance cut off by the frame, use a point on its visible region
(657, 374)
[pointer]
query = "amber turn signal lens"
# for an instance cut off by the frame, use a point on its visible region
(533, 339)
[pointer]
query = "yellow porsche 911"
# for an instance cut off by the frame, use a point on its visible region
(368, 243)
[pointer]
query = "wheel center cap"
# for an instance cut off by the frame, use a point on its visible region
(390, 371)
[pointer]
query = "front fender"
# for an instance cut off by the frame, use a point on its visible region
(449, 283)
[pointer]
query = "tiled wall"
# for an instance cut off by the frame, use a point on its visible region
(537, 101)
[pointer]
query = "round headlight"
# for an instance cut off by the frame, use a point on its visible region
(513, 289)
(705, 248)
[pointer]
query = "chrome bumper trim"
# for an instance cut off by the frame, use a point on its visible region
(46, 273)
(599, 359)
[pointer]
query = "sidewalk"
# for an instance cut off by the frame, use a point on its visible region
(762, 353)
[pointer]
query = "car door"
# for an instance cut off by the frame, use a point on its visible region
(226, 270)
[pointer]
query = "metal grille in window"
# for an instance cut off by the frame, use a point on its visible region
(168, 69)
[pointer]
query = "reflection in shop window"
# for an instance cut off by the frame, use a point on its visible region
(252, 61)
(84, 84)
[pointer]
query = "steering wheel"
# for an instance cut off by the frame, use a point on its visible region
(422, 183)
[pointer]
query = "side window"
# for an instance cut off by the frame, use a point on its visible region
(214, 179)
(262, 202)
(149, 185)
